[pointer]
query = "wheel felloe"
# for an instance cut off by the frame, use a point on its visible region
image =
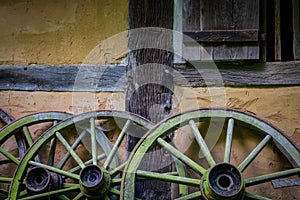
(40, 180)
(227, 180)
(94, 182)
(73, 149)
(223, 181)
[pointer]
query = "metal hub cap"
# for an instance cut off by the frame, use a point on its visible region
(223, 181)
(91, 177)
(39, 180)
(94, 182)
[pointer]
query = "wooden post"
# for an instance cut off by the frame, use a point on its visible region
(150, 81)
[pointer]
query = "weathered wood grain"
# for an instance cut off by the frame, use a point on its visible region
(246, 15)
(190, 22)
(191, 15)
(264, 74)
(277, 30)
(149, 85)
(296, 12)
(212, 16)
(113, 78)
(224, 36)
(5, 117)
(63, 78)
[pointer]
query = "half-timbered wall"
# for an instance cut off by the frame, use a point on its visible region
(42, 43)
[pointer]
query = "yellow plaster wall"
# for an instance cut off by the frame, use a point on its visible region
(278, 106)
(59, 32)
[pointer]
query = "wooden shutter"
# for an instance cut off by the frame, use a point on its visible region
(227, 29)
(296, 11)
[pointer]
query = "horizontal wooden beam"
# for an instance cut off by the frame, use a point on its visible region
(63, 78)
(239, 74)
(247, 35)
(113, 78)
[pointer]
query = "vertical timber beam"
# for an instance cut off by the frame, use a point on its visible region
(150, 80)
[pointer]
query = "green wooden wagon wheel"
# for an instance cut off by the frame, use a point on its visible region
(16, 137)
(79, 160)
(221, 172)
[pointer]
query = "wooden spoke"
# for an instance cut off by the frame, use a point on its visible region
(51, 193)
(116, 181)
(23, 193)
(79, 196)
(195, 195)
(202, 143)
(27, 135)
(181, 171)
(77, 168)
(115, 171)
(63, 197)
(254, 153)
(68, 154)
(56, 170)
(116, 145)
(228, 144)
(69, 148)
(9, 156)
(52, 152)
(181, 156)
(29, 140)
(5, 180)
(168, 178)
(93, 141)
(114, 191)
(249, 196)
(268, 177)
(106, 146)
(106, 197)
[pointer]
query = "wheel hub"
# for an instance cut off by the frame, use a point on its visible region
(94, 182)
(223, 181)
(40, 180)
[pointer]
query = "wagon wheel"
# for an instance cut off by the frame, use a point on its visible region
(16, 137)
(79, 160)
(221, 172)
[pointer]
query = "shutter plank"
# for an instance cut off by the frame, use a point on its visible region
(190, 22)
(245, 16)
(216, 16)
(221, 26)
(296, 7)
